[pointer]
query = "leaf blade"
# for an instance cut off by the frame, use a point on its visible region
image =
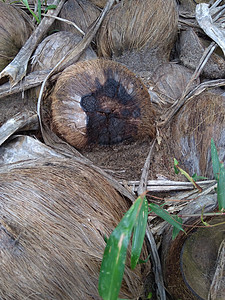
(113, 262)
(221, 188)
(165, 215)
(139, 233)
(215, 160)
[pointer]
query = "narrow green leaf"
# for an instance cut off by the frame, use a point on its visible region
(139, 233)
(221, 188)
(114, 258)
(25, 2)
(39, 10)
(195, 177)
(141, 261)
(50, 7)
(175, 229)
(186, 175)
(175, 166)
(215, 160)
(165, 215)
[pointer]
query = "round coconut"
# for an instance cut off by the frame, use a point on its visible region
(54, 47)
(81, 12)
(201, 119)
(15, 29)
(101, 102)
(171, 80)
(134, 24)
(54, 217)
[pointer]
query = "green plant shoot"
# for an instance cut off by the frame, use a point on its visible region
(178, 169)
(162, 213)
(114, 258)
(139, 233)
(219, 174)
(215, 161)
(37, 16)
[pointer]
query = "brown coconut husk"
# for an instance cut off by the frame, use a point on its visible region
(171, 80)
(82, 12)
(134, 24)
(201, 119)
(54, 47)
(15, 29)
(101, 102)
(54, 216)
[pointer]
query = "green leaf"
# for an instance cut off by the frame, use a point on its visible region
(175, 166)
(114, 258)
(139, 233)
(175, 229)
(50, 7)
(25, 2)
(215, 160)
(141, 261)
(39, 10)
(221, 188)
(165, 215)
(195, 177)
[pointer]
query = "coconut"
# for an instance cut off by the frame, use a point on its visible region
(171, 80)
(81, 12)
(54, 216)
(101, 102)
(201, 119)
(15, 29)
(134, 24)
(54, 47)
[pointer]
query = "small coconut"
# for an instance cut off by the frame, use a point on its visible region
(201, 119)
(54, 47)
(134, 24)
(101, 102)
(171, 80)
(54, 216)
(81, 12)
(15, 29)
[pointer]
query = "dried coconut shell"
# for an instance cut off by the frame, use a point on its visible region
(201, 119)
(15, 29)
(171, 80)
(101, 102)
(133, 24)
(54, 47)
(81, 12)
(54, 215)
(191, 50)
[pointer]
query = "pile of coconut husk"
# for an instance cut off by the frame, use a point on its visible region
(116, 88)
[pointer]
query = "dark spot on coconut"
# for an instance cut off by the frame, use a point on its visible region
(136, 113)
(109, 124)
(123, 97)
(89, 103)
(110, 88)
